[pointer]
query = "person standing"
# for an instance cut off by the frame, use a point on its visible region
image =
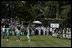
(7, 31)
(63, 33)
(39, 30)
(51, 29)
(67, 33)
(33, 29)
(53, 32)
(17, 30)
(47, 30)
(28, 33)
(3, 32)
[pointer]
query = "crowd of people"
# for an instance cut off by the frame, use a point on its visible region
(55, 32)
(11, 28)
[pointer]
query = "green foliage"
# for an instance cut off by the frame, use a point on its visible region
(34, 10)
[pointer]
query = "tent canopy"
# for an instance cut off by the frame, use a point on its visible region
(37, 22)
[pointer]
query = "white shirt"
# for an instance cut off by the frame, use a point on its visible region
(3, 29)
(50, 29)
(28, 32)
(70, 32)
(16, 30)
(66, 32)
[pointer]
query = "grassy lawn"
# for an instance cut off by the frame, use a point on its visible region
(37, 41)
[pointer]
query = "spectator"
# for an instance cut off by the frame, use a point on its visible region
(3, 31)
(63, 33)
(47, 30)
(7, 31)
(17, 29)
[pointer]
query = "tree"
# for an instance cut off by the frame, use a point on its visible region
(29, 11)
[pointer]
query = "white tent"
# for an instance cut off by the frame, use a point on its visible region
(37, 22)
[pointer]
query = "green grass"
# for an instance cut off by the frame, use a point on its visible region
(37, 41)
